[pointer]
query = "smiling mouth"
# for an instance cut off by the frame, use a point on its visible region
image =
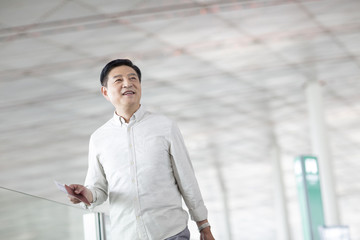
(128, 93)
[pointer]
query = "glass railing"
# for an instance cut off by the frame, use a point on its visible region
(27, 217)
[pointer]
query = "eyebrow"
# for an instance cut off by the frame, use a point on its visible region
(120, 75)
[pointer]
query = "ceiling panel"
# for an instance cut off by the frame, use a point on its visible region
(231, 73)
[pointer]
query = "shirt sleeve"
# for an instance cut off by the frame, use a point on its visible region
(95, 178)
(185, 176)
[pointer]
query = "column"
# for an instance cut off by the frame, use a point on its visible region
(320, 147)
(283, 232)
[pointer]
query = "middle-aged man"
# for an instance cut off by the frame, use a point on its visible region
(139, 160)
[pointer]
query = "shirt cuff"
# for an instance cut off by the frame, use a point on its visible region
(94, 195)
(93, 203)
(199, 213)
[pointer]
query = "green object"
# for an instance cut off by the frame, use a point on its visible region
(309, 192)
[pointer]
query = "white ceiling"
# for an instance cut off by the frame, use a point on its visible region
(231, 73)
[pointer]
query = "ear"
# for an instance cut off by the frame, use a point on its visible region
(104, 92)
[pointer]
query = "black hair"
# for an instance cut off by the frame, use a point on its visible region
(116, 63)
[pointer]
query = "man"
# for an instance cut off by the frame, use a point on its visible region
(138, 159)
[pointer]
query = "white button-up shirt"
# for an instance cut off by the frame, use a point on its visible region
(144, 169)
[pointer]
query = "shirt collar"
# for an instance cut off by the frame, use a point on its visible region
(137, 116)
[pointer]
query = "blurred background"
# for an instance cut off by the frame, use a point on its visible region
(232, 73)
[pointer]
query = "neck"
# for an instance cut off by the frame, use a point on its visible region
(127, 112)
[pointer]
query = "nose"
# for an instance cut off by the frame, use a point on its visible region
(127, 83)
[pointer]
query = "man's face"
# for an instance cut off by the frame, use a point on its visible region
(123, 88)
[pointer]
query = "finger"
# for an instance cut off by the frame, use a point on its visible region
(74, 200)
(77, 188)
(73, 186)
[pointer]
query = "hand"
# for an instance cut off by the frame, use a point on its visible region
(80, 189)
(206, 234)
